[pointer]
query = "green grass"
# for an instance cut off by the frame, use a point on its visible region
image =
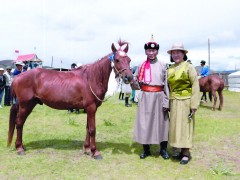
(54, 139)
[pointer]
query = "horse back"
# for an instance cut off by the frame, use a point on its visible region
(211, 83)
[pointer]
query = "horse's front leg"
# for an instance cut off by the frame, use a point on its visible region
(86, 146)
(92, 132)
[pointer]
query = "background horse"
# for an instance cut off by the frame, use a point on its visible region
(82, 88)
(213, 83)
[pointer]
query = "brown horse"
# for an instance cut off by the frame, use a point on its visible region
(212, 84)
(82, 88)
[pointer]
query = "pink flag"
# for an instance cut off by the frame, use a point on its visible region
(16, 51)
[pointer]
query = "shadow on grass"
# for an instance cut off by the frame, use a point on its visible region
(116, 148)
(206, 106)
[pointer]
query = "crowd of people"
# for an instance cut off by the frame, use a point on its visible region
(6, 81)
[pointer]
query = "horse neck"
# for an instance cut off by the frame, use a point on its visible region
(101, 72)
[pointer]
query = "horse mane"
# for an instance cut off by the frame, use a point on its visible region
(121, 43)
(99, 68)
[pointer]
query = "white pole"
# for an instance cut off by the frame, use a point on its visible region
(52, 62)
(209, 54)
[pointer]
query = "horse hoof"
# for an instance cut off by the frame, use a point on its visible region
(98, 157)
(88, 153)
(21, 153)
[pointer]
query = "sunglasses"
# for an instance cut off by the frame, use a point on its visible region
(9, 69)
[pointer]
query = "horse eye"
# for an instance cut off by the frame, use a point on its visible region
(117, 60)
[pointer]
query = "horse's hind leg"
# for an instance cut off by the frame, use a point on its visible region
(23, 113)
(221, 100)
(215, 100)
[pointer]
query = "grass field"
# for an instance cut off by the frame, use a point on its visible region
(54, 139)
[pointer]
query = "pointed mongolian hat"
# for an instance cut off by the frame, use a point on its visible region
(151, 44)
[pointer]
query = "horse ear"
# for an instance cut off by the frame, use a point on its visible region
(126, 49)
(113, 48)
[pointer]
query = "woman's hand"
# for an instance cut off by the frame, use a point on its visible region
(165, 109)
(193, 111)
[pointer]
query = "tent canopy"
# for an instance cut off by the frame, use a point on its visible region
(234, 81)
(28, 57)
(235, 74)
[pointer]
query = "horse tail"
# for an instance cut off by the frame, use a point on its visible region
(12, 119)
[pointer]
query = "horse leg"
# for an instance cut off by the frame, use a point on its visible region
(221, 100)
(215, 100)
(86, 146)
(91, 112)
(23, 113)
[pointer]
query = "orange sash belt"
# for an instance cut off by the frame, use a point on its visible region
(148, 88)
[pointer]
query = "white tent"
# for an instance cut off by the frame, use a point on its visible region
(234, 81)
(112, 85)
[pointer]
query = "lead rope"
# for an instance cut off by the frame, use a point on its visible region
(96, 95)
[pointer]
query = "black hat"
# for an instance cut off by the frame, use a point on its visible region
(203, 62)
(151, 44)
(73, 65)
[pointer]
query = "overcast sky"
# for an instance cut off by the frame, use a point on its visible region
(82, 31)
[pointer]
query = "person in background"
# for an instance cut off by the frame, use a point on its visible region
(8, 76)
(2, 85)
(135, 88)
(25, 68)
(121, 94)
(19, 68)
(184, 101)
(152, 121)
(74, 66)
(126, 89)
(204, 73)
(204, 70)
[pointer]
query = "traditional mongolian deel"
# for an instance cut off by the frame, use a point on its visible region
(182, 82)
(152, 122)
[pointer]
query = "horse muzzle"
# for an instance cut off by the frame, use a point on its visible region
(127, 79)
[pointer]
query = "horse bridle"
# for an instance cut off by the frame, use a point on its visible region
(119, 73)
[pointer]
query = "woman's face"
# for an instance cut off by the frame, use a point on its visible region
(177, 56)
(151, 53)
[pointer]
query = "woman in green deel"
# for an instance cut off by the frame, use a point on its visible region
(184, 101)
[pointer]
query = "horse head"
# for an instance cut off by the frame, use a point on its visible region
(121, 62)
